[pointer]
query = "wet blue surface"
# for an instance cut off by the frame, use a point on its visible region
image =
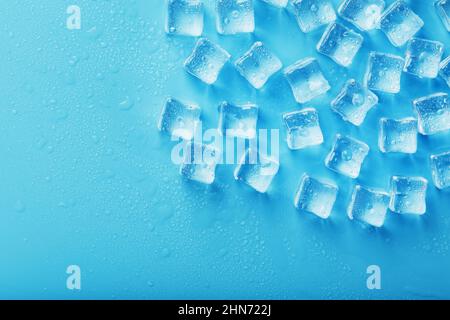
(86, 179)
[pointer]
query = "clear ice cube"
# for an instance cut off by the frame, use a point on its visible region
(444, 71)
(440, 170)
(199, 164)
(179, 119)
(398, 135)
(258, 64)
(368, 206)
(184, 17)
(408, 195)
(316, 196)
(384, 72)
(234, 16)
(312, 14)
(256, 170)
(206, 61)
(277, 3)
(353, 102)
(340, 43)
(423, 57)
(433, 113)
(303, 128)
(364, 14)
(347, 156)
(238, 120)
(400, 23)
(443, 10)
(306, 80)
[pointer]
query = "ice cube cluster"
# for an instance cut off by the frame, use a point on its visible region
(345, 30)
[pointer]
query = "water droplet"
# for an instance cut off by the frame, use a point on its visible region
(126, 104)
(357, 99)
(372, 10)
(19, 206)
(347, 155)
(165, 253)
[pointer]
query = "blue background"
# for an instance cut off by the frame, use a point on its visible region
(86, 179)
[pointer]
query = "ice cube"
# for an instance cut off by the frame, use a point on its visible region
(400, 23)
(199, 164)
(440, 170)
(206, 61)
(316, 196)
(340, 43)
(353, 102)
(443, 10)
(256, 170)
(408, 195)
(179, 119)
(398, 135)
(238, 120)
(303, 128)
(368, 206)
(433, 113)
(306, 80)
(184, 17)
(311, 14)
(277, 3)
(347, 156)
(234, 16)
(444, 71)
(423, 57)
(384, 72)
(258, 64)
(364, 14)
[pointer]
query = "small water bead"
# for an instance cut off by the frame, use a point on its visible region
(347, 155)
(372, 10)
(358, 99)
